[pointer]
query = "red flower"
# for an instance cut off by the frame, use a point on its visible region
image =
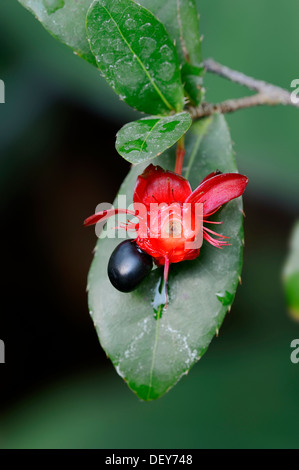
(169, 225)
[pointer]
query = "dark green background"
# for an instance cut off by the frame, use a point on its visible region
(57, 162)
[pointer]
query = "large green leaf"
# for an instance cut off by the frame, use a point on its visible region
(149, 350)
(180, 18)
(142, 140)
(65, 19)
(291, 274)
(136, 55)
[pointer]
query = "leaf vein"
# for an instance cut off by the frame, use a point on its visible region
(154, 351)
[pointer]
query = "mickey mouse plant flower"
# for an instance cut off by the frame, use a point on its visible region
(171, 222)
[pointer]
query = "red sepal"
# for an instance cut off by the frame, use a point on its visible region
(218, 190)
(103, 215)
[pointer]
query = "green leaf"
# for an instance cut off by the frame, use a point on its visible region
(142, 140)
(291, 275)
(180, 18)
(192, 78)
(136, 55)
(64, 19)
(153, 351)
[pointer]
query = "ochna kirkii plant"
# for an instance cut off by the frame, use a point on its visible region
(158, 299)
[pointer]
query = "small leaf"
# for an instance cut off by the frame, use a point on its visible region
(180, 18)
(64, 19)
(192, 78)
(291, 275)
(136, 55)
(141, 140)
(191, 47)
(153, 351)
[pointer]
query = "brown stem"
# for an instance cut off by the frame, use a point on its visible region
(267, 94)
(180, 153)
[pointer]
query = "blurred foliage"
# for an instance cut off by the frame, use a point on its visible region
(245, 392)
(259, 39)
(291, 274)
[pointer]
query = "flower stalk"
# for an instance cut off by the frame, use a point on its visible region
(180, 154)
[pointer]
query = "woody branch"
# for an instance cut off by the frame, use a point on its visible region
(267, 94)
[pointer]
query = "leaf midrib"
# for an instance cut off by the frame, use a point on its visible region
(159, 314)
(148, 134)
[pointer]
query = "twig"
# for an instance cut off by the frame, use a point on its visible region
(180, 153)
(268, 94)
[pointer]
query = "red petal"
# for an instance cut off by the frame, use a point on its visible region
(218, 190)
(217, 172)
(95, 218)
(158, 185)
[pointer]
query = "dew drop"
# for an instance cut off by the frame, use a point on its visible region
(169, 126)
(130, 23)
(107, 26)
(147, 45)
(128, 72)
(145, 27)
(166, 71)
(105, 41)
(108, 58)
(134, 145)
(166, 52)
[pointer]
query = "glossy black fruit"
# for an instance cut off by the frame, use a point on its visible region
(128, 266)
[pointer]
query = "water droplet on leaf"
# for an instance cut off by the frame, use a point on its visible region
(166, 71)
(133, 145)
(148, 46)
(130, 24)
(166, 52)
(108, 58)
(128, 72)
(169, 126)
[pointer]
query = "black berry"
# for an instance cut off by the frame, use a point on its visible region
(128, 266)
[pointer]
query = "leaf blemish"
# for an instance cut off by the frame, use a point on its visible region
(169, 126)
(53, 5)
